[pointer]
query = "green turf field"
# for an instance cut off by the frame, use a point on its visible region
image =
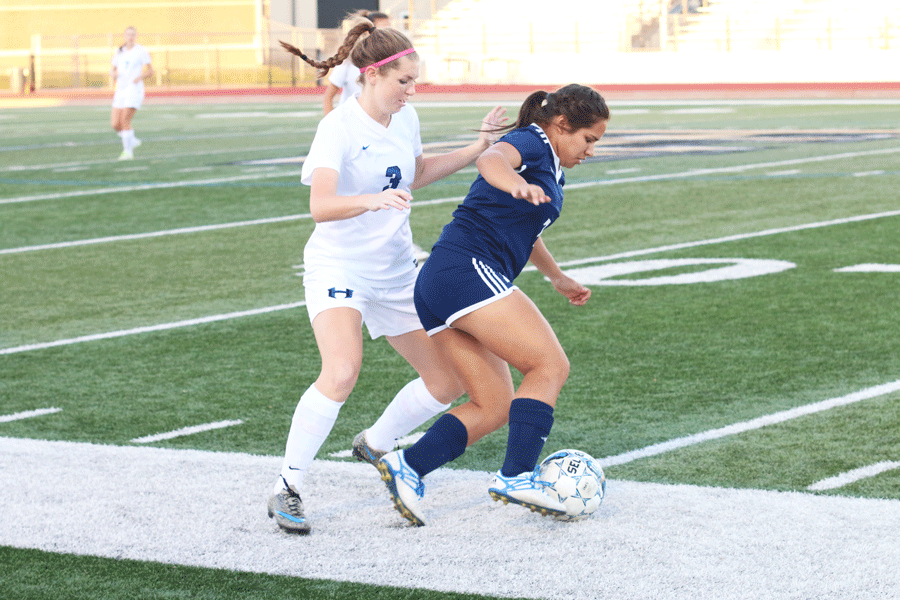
(142, 297)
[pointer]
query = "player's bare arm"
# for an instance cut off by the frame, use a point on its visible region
(434, 168)
(326, 205)
(562, 283)
(498, 166)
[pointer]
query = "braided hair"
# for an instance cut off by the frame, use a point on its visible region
(365, 45)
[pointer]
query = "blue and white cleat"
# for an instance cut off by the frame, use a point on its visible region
(286, 508)
(404, 484)
(525, 490)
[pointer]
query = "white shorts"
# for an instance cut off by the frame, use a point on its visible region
(386, 306)
(129, 96)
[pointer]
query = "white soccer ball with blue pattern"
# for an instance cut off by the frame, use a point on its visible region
(575, 479)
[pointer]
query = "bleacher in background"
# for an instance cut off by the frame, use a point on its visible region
(234, 42)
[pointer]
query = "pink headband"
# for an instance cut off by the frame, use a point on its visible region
(390, 58)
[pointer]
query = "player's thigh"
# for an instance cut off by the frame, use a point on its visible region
(486, 379)
(514, 329)
(435, 369)
(338, 334)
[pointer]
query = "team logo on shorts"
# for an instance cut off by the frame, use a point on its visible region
(333, 292)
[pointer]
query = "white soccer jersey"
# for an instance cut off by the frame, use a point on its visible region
(129, 65)
(368, 158)
(344, 76)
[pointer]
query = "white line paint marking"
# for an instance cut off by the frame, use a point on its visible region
(423, 203)
(870, 268)
(853, 476)
(722, 240)
(147, 186)
(779, 417)
(867, 173)
(403, 442)
(151, 328)
(580, 261)
(783, 173)
(153, 234)
(28, 414)
(185, 431)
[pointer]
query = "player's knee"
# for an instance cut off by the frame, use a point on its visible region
(554, 369)
(338, 379)
(444, 386)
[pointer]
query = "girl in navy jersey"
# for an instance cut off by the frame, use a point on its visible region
(360, 265)
(483, 323)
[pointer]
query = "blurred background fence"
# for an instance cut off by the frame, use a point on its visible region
(209, 43)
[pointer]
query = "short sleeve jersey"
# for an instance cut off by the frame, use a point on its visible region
(368, 158)
(344, 76)
(129, 65)
(493, 225)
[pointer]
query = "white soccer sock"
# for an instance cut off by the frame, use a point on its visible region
(312, 422)
(129, 139)
(412, 406)
(125, 142)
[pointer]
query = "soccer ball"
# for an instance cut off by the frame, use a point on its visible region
(575, 479)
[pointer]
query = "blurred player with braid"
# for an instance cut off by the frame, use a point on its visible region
(482, 322)
(342, 80)
(364, 160)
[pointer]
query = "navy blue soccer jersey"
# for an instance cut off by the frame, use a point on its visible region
(491, 224)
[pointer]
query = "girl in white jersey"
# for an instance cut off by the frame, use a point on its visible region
(130, 67)
(363, 162)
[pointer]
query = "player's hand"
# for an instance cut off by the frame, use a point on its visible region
(577, 294)
(388, 199)
(491, 125)
(138, 79)
(531, 193)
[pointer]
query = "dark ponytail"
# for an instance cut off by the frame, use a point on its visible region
(580, 105)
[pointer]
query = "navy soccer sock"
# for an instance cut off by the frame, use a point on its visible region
(530, 422)
(444, 441)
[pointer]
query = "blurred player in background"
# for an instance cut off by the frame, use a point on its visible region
(343, 79)
(130, 67)
(482, 322)
(365, 158)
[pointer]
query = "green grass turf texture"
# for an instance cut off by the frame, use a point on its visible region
(649, 364)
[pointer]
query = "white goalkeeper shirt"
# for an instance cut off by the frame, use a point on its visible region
(345, 76)
(129, 66)
(368, 158)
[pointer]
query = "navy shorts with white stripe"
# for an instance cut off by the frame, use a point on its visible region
(452, 284)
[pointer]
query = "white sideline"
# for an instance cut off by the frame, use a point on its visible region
(647, 541)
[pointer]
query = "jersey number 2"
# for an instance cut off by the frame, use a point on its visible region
(394, 174)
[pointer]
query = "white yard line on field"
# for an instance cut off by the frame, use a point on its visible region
(438, 201)
(149, 439)
(147, 186)
(853, 476)
(744, 426)
(153, 234)
(151, 328)
(28, 414)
